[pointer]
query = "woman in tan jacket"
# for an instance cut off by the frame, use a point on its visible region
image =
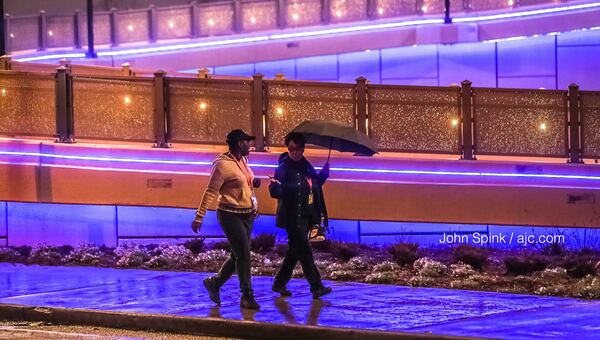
(232, 182)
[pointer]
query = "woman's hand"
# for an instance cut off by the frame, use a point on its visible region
(196, 225)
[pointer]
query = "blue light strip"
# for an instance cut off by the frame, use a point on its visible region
(261, 165)
(331, 31)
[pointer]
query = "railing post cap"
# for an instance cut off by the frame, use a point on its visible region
(279, 76)
(62, 68)
(361, 78)
(160, 73)
(203, 73)
(42, 11)
(466, 82)
(573, 85)
(64, 62)
(257, 75)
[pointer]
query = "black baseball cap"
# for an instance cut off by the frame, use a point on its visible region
(239, 135)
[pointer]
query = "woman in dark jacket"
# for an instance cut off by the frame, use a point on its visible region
(300, 205)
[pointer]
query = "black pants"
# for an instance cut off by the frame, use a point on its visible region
(238, 229)
(298, 250)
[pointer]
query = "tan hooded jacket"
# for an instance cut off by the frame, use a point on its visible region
(228, 182)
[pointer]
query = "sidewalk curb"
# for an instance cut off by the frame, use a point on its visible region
(198, 326)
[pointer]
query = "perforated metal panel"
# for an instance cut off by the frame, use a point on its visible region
(215, 19)
(303, 13)
(259, 16)
(590, 116)
(133, 26)
(393, 8)
(113, 109)
(520, 122)
(23, 33)
(101, 29)
(290, 103)
(348, 10)
(204, 111)
(414, 119)
(174, 23)
(27, 104)
(60, 31)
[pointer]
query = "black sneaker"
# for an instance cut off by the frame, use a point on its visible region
(281, 290)
(248, 302)
(320, 292)
(214, 290)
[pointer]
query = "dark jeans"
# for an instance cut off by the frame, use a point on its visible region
(298, 250)
(238, 229)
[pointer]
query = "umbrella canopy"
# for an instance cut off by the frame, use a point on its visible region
(336, 136)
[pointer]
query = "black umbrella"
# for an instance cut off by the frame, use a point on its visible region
(334, 135)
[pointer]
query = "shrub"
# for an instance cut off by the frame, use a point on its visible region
(556, 273)
(262, 243)
(360, 263)
(342, 275)
(8, 254)
(554, 249)
(171, 256)
(430, 268)
(211, 260)
(44, 254)
(281, 249)
(196, 246)
(25, 251)
(345, 251)
(588, 287)
(473, 256)
(221, 245)
(84, 254)
(461, 270)
(525, 264)
(405, 254)
(386, 266)
(580, 266)
(422, 281)
(325, 246)
(131, 255)
(380, 277)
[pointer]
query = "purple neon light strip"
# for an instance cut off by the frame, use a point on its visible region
(356, 170)
(193, 173)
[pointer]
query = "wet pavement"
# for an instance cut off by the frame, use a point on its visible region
(350, 305)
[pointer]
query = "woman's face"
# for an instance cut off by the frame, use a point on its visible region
(295, 151)
(244, 147)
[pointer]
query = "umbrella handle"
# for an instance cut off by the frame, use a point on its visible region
(330, 146)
